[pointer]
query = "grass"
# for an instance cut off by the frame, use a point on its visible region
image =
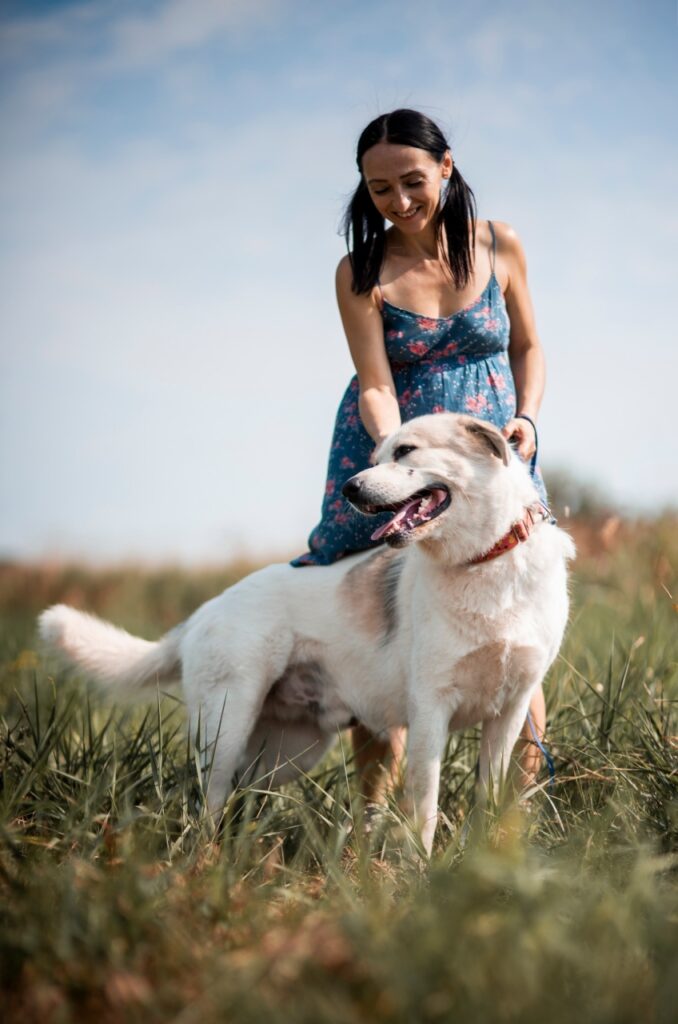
(118, 902)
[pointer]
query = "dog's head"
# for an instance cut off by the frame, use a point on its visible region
(431, 474)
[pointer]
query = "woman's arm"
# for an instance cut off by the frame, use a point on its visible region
(380, 413)
(525, 352)
(364, 328)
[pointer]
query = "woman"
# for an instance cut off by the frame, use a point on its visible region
(438, 317)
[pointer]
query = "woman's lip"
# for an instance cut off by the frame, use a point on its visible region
(409, 215)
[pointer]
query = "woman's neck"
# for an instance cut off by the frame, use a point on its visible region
(424, 244)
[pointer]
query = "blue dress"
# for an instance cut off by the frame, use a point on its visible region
(456, 363)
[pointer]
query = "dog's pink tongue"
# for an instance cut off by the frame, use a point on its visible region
(398, 517)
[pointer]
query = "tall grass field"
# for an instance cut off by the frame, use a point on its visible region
(118, 902)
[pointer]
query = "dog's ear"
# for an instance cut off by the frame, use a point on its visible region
(491, 437)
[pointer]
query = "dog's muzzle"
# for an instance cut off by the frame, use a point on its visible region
(410, 513)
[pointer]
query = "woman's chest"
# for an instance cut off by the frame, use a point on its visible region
(427, 286)
(430, 293)
(481, 328)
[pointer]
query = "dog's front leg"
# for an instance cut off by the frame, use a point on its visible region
(428, 729)
(498, 739)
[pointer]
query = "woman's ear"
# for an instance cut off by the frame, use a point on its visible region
(447, 165)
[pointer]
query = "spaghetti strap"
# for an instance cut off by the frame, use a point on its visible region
(494, 245)
(380, 293)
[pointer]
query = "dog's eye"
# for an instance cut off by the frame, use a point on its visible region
(402, 450)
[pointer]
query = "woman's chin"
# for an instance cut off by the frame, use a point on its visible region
(411, 225)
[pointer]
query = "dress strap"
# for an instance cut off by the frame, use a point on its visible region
(380, 293)
(494, 245)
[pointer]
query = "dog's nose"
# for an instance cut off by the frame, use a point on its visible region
(352, 488)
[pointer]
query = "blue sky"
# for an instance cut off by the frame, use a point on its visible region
(171, 180)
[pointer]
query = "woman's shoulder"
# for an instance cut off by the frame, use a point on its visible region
(344, 272)
(508, 241)
(344, 280)
(344, 285)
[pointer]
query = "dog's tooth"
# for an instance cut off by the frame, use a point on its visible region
(427, 505)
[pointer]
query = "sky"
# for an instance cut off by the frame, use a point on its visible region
(172, 177)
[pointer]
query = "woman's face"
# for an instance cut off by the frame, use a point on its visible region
(404, 184)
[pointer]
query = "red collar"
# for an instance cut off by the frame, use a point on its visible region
(520, 531)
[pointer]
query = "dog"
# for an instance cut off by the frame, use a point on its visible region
(453, 621)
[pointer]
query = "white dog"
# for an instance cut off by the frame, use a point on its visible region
(453, 622)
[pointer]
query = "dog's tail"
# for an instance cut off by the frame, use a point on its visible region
(110, 656)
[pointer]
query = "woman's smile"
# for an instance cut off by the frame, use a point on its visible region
(410, 213)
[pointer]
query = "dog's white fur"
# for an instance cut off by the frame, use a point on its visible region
(418, 637)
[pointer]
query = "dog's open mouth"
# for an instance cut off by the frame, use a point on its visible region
(415, 511)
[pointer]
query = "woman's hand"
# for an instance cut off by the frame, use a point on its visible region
(521, 433)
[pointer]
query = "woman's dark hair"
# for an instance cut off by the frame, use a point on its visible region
(363, 225)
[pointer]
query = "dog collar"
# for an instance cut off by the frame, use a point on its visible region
(520, 531)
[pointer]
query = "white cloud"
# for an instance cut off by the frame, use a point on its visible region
(22, 37)
(142, 40)
(56, 58)
(128, 35)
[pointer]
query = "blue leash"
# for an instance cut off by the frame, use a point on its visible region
(533, 460)
(547, 756)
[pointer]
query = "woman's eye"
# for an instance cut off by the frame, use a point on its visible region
(409, 184)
